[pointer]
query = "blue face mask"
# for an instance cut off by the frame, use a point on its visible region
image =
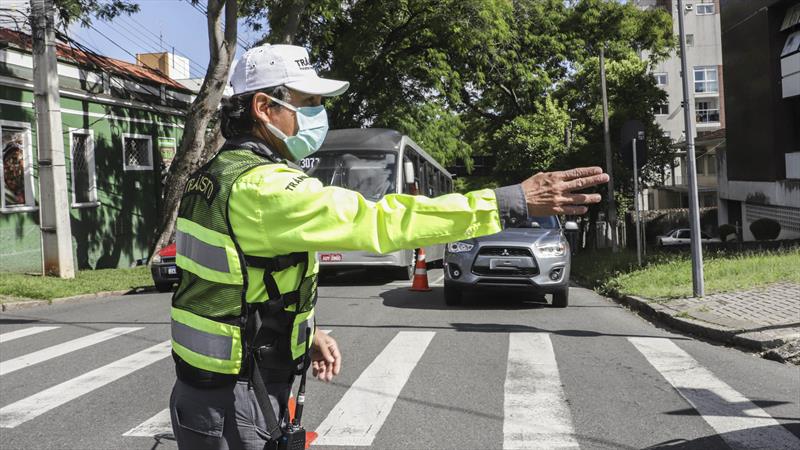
(312, 126)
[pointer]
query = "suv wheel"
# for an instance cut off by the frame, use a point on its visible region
(452, 295)
(561, 298)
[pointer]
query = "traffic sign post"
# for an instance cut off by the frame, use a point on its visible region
(633, 137)
(636, 202)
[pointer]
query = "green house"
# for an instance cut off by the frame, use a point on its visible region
(121, 124)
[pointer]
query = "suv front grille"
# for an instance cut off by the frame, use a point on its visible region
(501, 252)
(168, 260)
(505, 251)
(485, 271)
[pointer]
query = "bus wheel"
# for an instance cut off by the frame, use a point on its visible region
(402, 273)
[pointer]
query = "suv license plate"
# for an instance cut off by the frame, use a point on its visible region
(172, 270)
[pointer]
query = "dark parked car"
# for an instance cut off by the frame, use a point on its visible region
(165, 272)
(533, 256)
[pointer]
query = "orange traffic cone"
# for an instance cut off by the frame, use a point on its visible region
(420, 283)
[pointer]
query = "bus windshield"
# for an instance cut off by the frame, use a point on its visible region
(372, 173)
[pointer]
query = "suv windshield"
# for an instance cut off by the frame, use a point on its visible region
(548, 222)
(372, 173)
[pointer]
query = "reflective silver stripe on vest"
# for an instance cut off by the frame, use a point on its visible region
(206, 344)
(304, 331)
(215, 258)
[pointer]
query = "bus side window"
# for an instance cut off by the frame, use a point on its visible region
(410, 155)
(430, 180)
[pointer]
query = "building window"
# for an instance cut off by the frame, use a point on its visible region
(707, 111)
(705, 80)
(84, 181)
(661, 109)
(661, 78)
(711, 164)
(17, 167)
(137, 152)
(690, 40)
(704, 9)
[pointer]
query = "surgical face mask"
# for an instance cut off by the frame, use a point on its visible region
(312, 126)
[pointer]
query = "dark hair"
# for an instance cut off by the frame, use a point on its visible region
(236, 111)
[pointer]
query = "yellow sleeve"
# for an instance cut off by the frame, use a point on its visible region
(277, 210)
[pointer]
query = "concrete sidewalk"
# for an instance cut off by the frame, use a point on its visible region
(758, 319)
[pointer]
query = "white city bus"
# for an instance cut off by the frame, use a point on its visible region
(367, 160)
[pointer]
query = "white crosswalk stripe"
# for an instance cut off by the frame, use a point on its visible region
(157, 425)
(359, 415)
(24, 332)
(536, 411)
(30, 407)
(741, 423)
(36, 357)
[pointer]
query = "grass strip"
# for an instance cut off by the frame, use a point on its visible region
(37, 287)
(669, 275)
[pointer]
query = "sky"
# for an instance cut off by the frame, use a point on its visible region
(159, 25)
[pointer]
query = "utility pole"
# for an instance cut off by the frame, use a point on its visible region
(611, 214)
(694, 207)
(53, 202)
(636, 204)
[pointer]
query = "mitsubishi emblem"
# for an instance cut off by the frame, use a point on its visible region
(504, 252)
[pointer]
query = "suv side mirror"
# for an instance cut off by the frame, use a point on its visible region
(408, 172)
(570, 226)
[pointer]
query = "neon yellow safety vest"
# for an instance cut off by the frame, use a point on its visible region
(221, 285)
(244, 211)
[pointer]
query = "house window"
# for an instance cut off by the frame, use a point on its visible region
(711, 164)
(705, 79)
(704, 9)
(661, 78)
(661, 109)
(16, 176)
(84, 181)
(707, 111)
(137, 152)
(690, 40)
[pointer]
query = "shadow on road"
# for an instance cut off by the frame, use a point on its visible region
(717, 441)
(479, 300)
(354, 277)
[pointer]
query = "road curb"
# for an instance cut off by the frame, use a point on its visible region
(655, 312)
(25, 304)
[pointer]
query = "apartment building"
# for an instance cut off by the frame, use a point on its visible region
(706, 89)
(759, 164)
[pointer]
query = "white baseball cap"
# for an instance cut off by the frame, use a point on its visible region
(268, 66)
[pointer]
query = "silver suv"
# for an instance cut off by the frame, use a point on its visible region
(534, 256)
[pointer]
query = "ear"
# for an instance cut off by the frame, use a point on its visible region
(260, 109)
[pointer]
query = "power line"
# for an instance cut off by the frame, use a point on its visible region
(149, 44)
(99, 61)
(200, 68)
(242, 43)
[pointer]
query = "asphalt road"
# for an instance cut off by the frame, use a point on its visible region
(503, 371)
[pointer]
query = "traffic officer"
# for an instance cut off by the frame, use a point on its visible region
(249, 224)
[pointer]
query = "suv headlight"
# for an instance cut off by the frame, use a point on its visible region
(156, 259)
(459, 247)
(549, 249)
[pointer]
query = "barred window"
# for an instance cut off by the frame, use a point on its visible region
(16, 174)
(137, 152)
(84, 182)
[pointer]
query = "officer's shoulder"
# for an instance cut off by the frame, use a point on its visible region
(274, 178)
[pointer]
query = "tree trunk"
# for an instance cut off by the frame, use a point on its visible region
(293, 13)
(194, 149)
